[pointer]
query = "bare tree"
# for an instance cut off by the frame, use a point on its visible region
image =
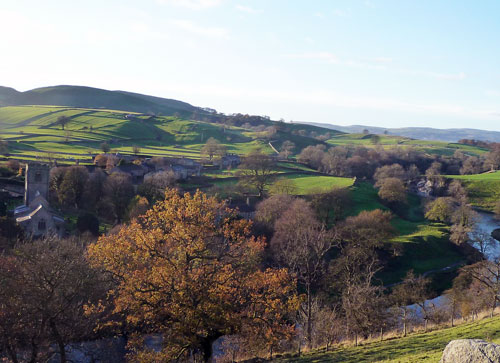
(258, 170)
(287, 148)
(301, 243)
(45, 288)
(213, 148)
(487, 273)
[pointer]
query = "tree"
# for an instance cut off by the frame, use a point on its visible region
(283, 186)
(45, 287)
(392, 190)
(268, 211)
(189, 268)
(94, 190)
(365, 308)
(463, 218)
(301, 243)
(10, 233)
(105, 147)
(258, 170)
(213, 148)
(487, 274)
(138, 207)
(4, 147)
(413, 290)
(287, 148)
(472, 165)
(154, 185)
(457, 191)
(312, 156)
(440, 209)
(375, 139)
(101, 160)
(331, 206)
(88, 222)
(63, 121)
(118, 190)
(389, 171)
(72, 187)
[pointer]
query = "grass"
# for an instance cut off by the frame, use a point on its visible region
(423, 246)
(419, 347)
(309, 184)
(483, 189)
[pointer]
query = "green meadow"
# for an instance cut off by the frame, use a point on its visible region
(417, 347)
(483, 189)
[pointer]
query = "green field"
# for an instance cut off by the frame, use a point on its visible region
(33, 130)
(420, 347)
(388, 141)
(423, 246)
(483, 189)
(308, 184)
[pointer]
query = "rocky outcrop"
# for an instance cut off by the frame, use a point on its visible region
(470, 351)
(496, 234)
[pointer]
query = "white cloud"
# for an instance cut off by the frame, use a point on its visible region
(192, 4)
(247, 9)
(319, 14)
(206, 31)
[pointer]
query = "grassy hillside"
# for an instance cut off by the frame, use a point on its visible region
(430, 147)
(423, 246)
(33, 130)
(483, 189)
(420, 347)
(88, 97)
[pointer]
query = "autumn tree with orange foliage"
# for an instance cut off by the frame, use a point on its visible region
(189, 269)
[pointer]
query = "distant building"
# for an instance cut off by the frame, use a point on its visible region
(228, 161)
(35, 216)
(136, 172)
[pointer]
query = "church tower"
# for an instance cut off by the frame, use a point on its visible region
(36, 182)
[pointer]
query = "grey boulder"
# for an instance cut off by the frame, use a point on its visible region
(471, 351)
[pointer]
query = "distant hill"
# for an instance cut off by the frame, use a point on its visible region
(88, 97)
(421, 133)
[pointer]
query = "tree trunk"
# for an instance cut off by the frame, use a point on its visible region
(381, 334)
(60, 343)
(309, 317)
(356, 339)
(425, 325)
(206, 345)
(404, 323)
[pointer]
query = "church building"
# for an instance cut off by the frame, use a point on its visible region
(35, 216)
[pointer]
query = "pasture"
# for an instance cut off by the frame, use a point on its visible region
(417, 347)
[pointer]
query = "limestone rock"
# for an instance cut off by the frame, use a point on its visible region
(470, 351)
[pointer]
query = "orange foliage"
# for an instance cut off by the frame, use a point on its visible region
(189, 269)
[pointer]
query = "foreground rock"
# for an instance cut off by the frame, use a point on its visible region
(470, 351)
(496, 234)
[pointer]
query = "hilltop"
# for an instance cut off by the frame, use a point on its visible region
(421, 133)
(88, 97)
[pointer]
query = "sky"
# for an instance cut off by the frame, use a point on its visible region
(388, 63)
